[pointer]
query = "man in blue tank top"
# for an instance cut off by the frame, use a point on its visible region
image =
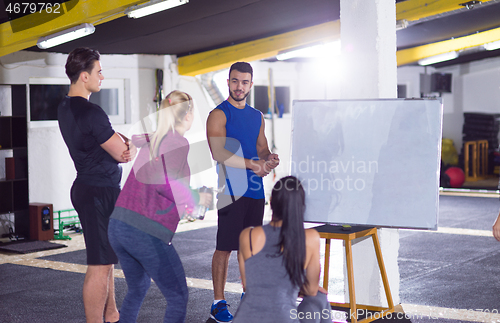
(237, 141)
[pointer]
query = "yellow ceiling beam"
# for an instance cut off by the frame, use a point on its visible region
(217, 59)
(417, 9)
(268, 47)
(412, 55)
(24, 32)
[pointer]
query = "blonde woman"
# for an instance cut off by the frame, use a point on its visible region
(148, 210)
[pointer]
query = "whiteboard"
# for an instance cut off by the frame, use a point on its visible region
(369, 162)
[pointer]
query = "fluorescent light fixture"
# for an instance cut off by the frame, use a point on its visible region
(65, 36)
(401, 24)
(321, 50)
(152, 6)
(492, 46)
(438, 58)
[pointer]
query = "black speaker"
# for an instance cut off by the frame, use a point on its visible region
(46, 218)
(441, 82)
(41, 221)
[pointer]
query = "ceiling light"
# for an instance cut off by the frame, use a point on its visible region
(470, 4)
(492, 46)
(321, 50)
(401, 24)
(152, 6)
(438, 58)
(65, 36)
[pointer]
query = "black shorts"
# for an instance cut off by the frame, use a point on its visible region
(94, 205)
(244, 212)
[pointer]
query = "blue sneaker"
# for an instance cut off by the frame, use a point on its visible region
(220, 313)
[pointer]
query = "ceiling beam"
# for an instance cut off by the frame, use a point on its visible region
(417, 9)
(217, 59)
(268, 47)
(24, 32)
(412, 55)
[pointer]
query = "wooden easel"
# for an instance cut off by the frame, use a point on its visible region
(329, 232)
(476, 160)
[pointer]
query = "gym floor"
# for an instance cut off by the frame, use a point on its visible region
(449, 275)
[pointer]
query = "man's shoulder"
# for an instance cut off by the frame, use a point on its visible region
(91, 109)
(254, 110)
(82, 112)
(219, 112)
(91, 106)
(222, 106)
(80, 103)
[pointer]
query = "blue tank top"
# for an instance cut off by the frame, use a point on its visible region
(242, 131)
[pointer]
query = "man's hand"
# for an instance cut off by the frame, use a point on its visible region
(260, 167)
(119, 149)
(272, 161)
(496, 228)
(263, 167)
(130, 153)
(124, 138)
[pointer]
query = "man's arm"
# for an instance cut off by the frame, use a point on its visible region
(496, 228)
(131, 151)
(216, 135)
(116, 147)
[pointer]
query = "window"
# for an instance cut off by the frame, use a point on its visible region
(261, 98)
(45, 94)
(402, 91)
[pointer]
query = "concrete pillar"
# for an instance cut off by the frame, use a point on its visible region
(368, 36)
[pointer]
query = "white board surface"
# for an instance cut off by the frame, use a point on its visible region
(369, 162)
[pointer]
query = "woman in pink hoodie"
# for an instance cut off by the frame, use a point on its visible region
(154, 197)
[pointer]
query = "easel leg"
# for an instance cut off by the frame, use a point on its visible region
(326, 272)
(383, 272)
(350, 277)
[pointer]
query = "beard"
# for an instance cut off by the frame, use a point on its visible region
(235, 98)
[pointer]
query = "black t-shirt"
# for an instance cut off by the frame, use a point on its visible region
(84, 127)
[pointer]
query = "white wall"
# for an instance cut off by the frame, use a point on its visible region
(452, 107)
(410, 76)
(197, 135)
(475, 88)
(51, 170)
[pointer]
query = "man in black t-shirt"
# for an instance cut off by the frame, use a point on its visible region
(96, 150)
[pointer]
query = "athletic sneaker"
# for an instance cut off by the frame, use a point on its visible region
(220, 313)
